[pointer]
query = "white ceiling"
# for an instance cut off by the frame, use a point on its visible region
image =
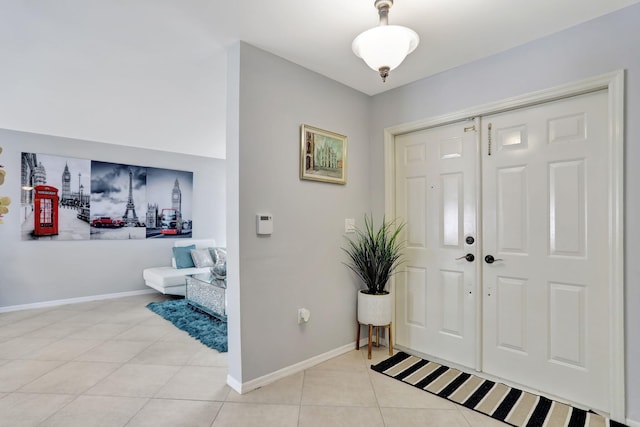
(152, 73)
(318, 34)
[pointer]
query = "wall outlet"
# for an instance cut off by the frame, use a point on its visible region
(303, 315)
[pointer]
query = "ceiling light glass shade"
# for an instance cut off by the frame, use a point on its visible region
(385, 46)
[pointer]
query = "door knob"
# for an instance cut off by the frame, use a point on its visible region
(468, 257)
(489, 259)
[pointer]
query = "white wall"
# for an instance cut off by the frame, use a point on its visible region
(39, 271)
(603, 45)
(143, 74)
(300, 264)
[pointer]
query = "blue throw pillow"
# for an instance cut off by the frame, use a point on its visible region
(182, 254)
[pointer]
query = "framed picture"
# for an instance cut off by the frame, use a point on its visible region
(323, 155)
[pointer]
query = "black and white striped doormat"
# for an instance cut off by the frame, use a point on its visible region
(497, 400)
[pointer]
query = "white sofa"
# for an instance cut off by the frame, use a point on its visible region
(171, 280)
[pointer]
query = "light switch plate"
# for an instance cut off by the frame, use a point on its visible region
(349, 225)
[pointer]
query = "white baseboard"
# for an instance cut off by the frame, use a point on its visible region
(632, 423)
(234, 384)
(58, 302)
(289, 370)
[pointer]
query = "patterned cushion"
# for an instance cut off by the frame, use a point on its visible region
(201, 258)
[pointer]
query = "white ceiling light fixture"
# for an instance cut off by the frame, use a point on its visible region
(384, 47)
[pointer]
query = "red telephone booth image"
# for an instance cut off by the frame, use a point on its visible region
(45, 215)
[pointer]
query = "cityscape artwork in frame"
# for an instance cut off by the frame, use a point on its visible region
(323, 155)
(64, 198)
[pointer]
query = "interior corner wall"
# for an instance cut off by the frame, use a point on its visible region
(606, 44)
(38, 271)
(300, 264)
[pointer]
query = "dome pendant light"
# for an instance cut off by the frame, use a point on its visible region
(384, 47)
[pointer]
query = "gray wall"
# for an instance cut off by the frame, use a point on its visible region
(603, 45)
(300, 264)
(39, 271)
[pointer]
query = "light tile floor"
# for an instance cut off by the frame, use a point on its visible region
(115, 363)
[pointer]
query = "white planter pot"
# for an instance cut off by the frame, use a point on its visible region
(374, 309)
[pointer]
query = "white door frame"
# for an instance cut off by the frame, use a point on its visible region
(614, 84)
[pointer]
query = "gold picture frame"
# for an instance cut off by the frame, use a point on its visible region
(323, 155)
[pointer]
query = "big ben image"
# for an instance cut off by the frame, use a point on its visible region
(176, 197)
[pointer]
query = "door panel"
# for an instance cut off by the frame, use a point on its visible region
(512, 209)
(414, 303)
(435, 196)
(452, 302)
(451, 207)
(545, 216)
(511, 294)
(567, 333)
(567, 208)
(416, 212)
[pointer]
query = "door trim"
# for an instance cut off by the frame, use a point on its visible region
(614, 84)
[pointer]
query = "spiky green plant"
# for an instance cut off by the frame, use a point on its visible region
(375, 254)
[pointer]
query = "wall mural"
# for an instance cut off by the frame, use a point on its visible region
(76, 199)
(5, 201)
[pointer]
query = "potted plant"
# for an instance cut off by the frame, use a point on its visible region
(374, 256)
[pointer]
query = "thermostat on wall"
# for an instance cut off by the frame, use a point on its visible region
(264, 223)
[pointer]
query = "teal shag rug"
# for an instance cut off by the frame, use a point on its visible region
(206, 329)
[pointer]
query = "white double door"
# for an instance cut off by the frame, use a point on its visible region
(529, 188)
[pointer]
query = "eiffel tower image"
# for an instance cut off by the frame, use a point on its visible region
(130, 221)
